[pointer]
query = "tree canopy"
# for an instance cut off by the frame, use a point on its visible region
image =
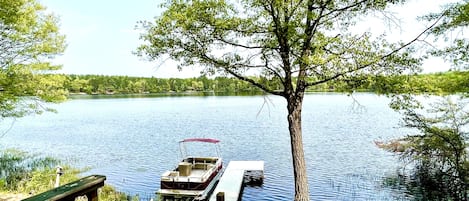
(277, 39)
(29, 38)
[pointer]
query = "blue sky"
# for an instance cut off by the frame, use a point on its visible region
(101, 37)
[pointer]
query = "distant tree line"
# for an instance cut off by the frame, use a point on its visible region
(442, 83)
(436, 83)
(100, 84)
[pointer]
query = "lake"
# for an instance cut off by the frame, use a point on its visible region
(134, 140)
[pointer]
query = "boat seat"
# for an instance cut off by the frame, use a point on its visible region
(205, 160)
(184, 169)
(200, 166)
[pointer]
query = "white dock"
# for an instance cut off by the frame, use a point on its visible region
(234, 176)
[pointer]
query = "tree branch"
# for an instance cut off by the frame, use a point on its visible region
(381, 58)
(340, 10)
(228, 68)
(264, 88)
(240, 45)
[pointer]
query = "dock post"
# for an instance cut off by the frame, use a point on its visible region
(220, 196)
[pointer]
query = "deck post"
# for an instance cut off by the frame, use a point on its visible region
(93, 195)
(220, 196)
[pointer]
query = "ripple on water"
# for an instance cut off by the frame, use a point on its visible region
(133, 141)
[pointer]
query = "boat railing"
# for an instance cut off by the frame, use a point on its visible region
(206, 175)
(195, 179)
(205, 164)
(170, 176)
(174, 177)
(210, 166)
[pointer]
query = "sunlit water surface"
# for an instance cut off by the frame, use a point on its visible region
(133, 140)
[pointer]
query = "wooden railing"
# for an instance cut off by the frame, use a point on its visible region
(86, 186)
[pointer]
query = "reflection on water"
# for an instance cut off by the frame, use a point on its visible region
(133, 140)
(421, 185)
(167, 94)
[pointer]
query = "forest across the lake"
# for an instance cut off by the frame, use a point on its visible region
(435, 83)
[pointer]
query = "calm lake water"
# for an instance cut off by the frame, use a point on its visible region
(133, 140)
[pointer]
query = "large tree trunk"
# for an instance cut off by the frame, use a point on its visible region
(299, 164)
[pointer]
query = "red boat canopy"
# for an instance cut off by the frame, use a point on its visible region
(209, 140)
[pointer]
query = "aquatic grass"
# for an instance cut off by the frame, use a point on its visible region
(24, 173)
(27, 173)
(109, 193)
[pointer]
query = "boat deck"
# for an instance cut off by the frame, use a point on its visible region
(194, 176)
(193, 169)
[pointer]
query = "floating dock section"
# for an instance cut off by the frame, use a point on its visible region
(237, 174)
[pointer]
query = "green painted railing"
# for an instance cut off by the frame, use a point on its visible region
(86, 186)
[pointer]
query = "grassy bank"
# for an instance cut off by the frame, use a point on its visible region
(23, 174)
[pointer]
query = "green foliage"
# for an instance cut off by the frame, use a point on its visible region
(452, 82)
(25, 173)
(278, 39)
(438, 152)
(109, 193)
(99, 84)
(29, 38)
(44, 179)
(454, 18)
(437, 83)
